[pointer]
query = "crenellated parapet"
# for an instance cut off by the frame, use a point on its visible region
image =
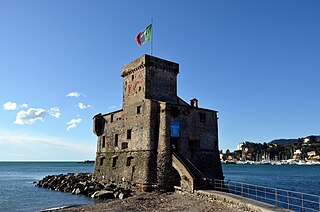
(150, 62)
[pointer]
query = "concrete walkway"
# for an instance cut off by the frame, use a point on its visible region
(239, 201)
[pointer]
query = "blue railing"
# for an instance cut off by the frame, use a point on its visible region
(291, 200)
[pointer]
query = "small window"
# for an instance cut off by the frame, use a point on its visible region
(202, 117)
(174, 111)
(129, 134)
(139, 109)
(139, 88)
(111, 118)
(116, 139)
(194, 145)
(124, 145)
(103, 143)
(114, 161)
(102, 161)
(132, 77)
(129, 161)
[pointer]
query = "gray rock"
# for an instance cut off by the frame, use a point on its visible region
(103, 194)
(77, 191)
(124, 195)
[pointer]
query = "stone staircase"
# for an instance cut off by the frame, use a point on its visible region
(191, 177)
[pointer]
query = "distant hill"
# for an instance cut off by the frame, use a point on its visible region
(291, 141)
(283, 141)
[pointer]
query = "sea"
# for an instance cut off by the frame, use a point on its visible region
(19, 193)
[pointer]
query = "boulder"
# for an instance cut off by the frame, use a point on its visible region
(108, 188)
(123, 195)
(82, 183)
(98, 186)
(103, 194)
(77, 191)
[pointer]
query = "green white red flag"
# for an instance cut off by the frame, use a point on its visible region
(144, 36)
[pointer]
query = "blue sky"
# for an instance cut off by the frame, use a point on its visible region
(255, 61)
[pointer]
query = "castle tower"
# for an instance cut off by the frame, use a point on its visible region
(149, 78)
(156, 131)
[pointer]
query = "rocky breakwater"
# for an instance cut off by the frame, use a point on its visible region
(82, 184)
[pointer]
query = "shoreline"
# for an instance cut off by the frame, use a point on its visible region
(157, 201)
(268, 162)
(202, 201)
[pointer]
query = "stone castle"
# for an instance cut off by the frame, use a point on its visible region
(157, 140)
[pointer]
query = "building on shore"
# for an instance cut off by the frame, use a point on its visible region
(157, 140)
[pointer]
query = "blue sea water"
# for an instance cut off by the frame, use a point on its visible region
(299, 178)
(18, 193)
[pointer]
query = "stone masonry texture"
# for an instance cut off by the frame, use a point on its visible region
(135, 145)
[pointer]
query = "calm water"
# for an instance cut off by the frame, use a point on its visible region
(300, 178)
(18, 193)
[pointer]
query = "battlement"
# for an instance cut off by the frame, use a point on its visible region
(149, 61)
(149, 77)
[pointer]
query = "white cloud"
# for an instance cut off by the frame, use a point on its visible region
(33, 114)
(24, 105)
(54, 112)
(75, 94)
(83, 106)
(13, 106)
(73, 123)
(112, 107)
(10, 106)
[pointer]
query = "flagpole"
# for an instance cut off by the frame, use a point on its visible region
(151, 36)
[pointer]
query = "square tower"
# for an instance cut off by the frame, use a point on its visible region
(156, 140)
(149, 77)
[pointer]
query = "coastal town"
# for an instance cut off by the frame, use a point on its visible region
(300, 151)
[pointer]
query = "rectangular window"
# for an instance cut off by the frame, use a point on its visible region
(129, 134)
(138, 109)
(101, 161)
(103, 142)
(202, 117)
(114, 161)
(116, 139)
(129, 161)
(111, 118)
(124, 145)
(194, 145)
(174, 111)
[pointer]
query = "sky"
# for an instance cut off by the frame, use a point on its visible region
(257, 62)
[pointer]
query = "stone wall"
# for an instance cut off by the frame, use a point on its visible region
(198, 140)
(135, 144)
(151, 78)
(125, 166)
(164, 154)
(124, 157)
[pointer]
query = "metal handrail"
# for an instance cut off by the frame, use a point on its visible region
(187, 168)
(202, 175)
(292, 200)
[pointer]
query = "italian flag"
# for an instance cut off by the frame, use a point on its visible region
(144, 36)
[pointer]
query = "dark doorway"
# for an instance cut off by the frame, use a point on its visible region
(174, 144)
